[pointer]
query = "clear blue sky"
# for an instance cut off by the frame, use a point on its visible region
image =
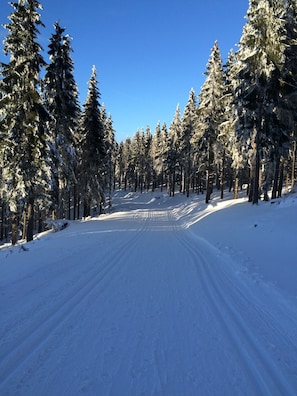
(148, 53)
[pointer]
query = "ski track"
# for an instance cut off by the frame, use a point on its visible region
(264, 374)
(157, 330)
(15, 352)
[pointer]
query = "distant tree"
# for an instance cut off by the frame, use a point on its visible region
(159, 148)
(111, 149)
(127, 163)
(23, 115)
(92, 150)
(148, 159)
(120, 166)
(61, 99)
(138, 159)
(173, 157)
(188, 127)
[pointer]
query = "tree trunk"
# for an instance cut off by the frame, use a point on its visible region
(276, 177)
(30, 227)
(254, 194)
(87, 208)
(223, 174)
(210, 175)
(281, 179)
(236, 184)
(14, 228)
(24, 224)
(293, 165)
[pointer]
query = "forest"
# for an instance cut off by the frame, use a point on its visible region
(60, 159)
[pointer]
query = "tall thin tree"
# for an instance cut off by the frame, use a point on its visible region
(23, 115)
(61, 99)
(92, 149)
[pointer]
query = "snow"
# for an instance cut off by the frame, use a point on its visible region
(164, 296)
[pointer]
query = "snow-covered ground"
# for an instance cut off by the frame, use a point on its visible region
(164, 296)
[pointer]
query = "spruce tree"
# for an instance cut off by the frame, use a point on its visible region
(92, 149)
(210, 116)
(174, 151)
(188, 126)
(61, 99)
(111, 149)
(148, 159)
(260, 61)
(23, 115)
(226, 128)
(288, 115)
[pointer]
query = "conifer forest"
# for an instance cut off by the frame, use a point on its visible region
(59, 159)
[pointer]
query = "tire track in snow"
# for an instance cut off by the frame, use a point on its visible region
(37, 334)
(264, 374)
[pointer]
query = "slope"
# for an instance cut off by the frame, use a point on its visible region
(152, 299)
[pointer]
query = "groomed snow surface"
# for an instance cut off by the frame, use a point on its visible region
(163, 296)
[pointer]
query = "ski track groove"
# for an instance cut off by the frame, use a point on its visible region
(38, 332)
(265, 375)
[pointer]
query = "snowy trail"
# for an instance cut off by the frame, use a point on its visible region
(135, 304)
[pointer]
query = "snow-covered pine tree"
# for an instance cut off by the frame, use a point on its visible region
(174, 151)
(138, 158)
(61, 99)
(188, 129)
(260, 60)
(92, 150)
(226, 128)
(288, 115)
(128, 164)
(23, 115)
(159, 148)
(148, 165)
(210, 116)
(111, 148)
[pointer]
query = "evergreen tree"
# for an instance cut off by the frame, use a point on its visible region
(138, 157)
(128, 164)
(148, 160)
(23, 115)
(174, 151)
(159, 148)
(92, 149)
(188, 125)
(226, 128)
(111, 152)
(288, 115)
(210, 116)
(260, 61)
(61, 99)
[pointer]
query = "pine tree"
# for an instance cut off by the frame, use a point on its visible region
(210, 116)
(159, 148)
(61, 99)
(23, 115)
(148, 159)
(92, 149)
(174, 151)
(288, 115)
(226, 128)
(128, 164)
(188, 125)
(260, 61)
(111, 149)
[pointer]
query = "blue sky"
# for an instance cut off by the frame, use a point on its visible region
(148, 53)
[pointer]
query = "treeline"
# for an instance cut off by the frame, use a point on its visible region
(59, 160)
(56, 157)
(240, 129)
